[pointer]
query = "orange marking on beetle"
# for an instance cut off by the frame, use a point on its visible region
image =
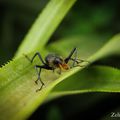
(64, 66)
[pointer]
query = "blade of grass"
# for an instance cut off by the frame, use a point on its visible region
(109, 49)
(44, 26)
(93, 79)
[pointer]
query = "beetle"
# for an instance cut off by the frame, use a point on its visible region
(53, 61)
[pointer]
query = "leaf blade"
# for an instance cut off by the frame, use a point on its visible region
(21, 91)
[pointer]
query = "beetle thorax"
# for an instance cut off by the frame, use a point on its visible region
(53, 60)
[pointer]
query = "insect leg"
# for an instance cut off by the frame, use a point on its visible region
(38, 69)
(75, 60)
(70, 55)
(38, 73)
(36, 54)
(79, 60)
(74, 51)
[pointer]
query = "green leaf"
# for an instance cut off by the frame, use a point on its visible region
(44, 26)
(93, 79)
(109, 49)
(17, 86)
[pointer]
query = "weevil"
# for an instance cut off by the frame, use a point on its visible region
(53, 61)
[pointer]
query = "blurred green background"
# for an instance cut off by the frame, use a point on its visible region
(87, 17)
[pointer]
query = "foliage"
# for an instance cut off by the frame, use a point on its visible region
(17, 76)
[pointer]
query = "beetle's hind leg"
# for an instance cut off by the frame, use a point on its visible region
(76, 61)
